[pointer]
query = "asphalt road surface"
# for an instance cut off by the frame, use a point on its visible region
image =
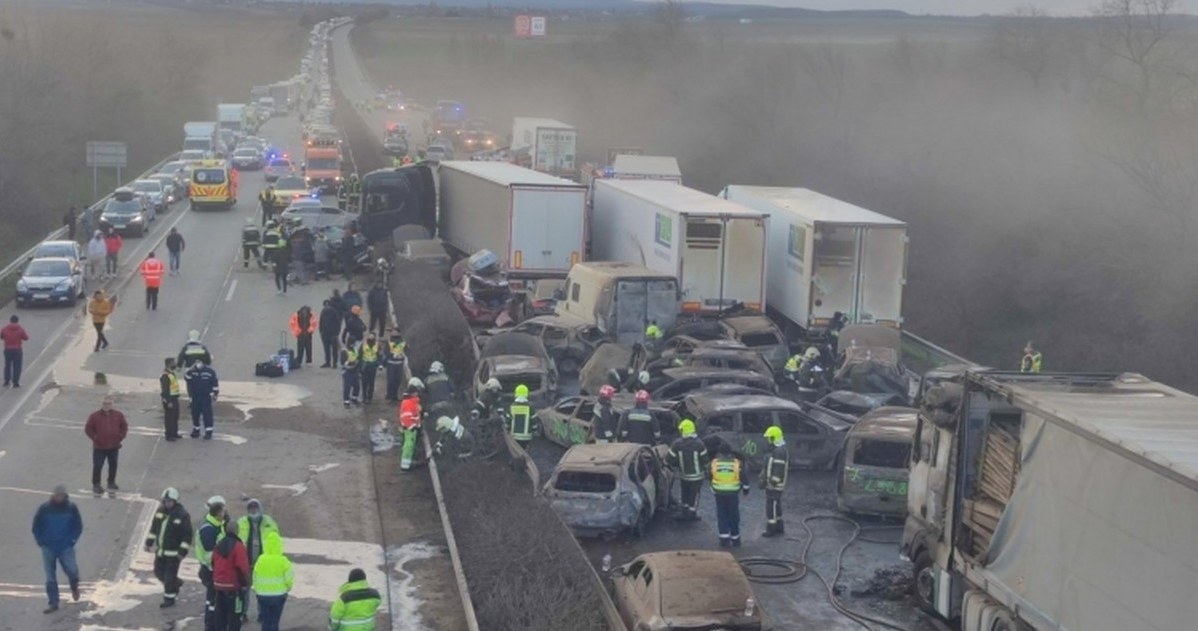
(285, 441)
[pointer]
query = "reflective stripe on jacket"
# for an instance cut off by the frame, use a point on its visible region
(521, 421)
(273, 575)
(354, 608)
(725, 475)
(151, 271)
(170, 532)
(689, 456)
(777, 467)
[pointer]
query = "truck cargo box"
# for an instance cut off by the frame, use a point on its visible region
(545, 144)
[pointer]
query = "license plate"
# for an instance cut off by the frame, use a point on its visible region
(41, 296)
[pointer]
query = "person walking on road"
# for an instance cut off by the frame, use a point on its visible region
(100, 307)
(378, 302)
(193, 351)
(97, 250)
(151, 271)
(57, 525)
(106, 428)
(168, 384)
(688, 456)
(207, 536)
(170, 541)
(369, 351)
(303, 325)
(174, 249)
(70, 220)
(112, 253)
(14, 336)
(202, 387)
(773, 480)
(230, 579)
(356, 604)
(272, 580)
(394, 360)
(281, 259)
(252, 529)
(726, 483)
(330, 332)
(251, 238)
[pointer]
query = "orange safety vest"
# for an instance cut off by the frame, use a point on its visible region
(151, 270)
(409, 413)
(295, 327)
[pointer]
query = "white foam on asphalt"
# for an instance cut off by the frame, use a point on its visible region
(405, 606)
(381, 436)
(321, 566)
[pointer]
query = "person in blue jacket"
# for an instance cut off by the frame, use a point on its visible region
(56, 527)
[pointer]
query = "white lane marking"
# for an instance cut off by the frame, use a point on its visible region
(232, 288)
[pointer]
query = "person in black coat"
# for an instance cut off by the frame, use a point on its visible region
(330, 332)
(379, 303)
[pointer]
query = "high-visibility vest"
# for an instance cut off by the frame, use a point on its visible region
(351, 357)
(521, 415)
(652, 332)
(777, 468)
(151, 271)
(354, 608)
(295, 326)
(725, 475)
(409, 413)
(395, 352)
(271, 239)
(370, 353)
(1032, 362)
(174, 383)
(203, 555)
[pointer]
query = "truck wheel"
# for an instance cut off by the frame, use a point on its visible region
(923, 588)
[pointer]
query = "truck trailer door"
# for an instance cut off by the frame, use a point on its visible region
(834, 277)
(883, 274)
(543, 238)
(703, 266)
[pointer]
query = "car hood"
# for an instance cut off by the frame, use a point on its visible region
(43, 281)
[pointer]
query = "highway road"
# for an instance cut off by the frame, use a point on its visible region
(287, 442)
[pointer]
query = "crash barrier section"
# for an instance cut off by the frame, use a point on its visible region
(61, 233)
(921, 355)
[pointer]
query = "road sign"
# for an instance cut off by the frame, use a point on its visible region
(107, 154)
(537, 26)
(523, 26)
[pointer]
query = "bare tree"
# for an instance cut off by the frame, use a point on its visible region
(1136, 31)
(1026, 39)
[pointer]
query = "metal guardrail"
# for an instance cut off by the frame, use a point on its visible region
(455, 557)
(61, 233)
(921, 355)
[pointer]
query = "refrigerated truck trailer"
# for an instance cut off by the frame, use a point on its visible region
(714, 247)
(1046, 502)
(829, 256)
(546, 145)
(535, 222)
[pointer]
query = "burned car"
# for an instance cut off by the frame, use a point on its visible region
(814, 435)
(619, 365)
(684, 590)
(873, 471)
(856, 404)
(482, 291)
(518, 359)
(674, 384)
(726, 354)
(571, 420)
(869, 361)
(759, 333)
(570, 340)
(605, 490)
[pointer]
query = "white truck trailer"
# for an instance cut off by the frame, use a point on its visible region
(546, 145)
(827, 255)
(231, 116)
(535, 222)
(630, 167)
(715, 248)
(1055, 501)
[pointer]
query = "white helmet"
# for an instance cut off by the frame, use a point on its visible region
(436, 368)
(444, 424)
(415, 382)
(493, 385)
(171, 493)
(643, 377)
(215, 500)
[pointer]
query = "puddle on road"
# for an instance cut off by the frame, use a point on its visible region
(405, 606)
(245, 396)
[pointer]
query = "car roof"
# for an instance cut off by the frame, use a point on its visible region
(51, 259)
(599, 454)
(56, 243)
(691, 563)
(749, 322)
(516, 363)
(890, 422)
(711, 404)
(683, 372)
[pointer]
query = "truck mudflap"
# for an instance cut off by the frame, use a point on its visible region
(395, 197)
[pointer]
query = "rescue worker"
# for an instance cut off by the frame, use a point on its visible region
(520, 418)
(330, 331)
(410, 413)
(488, 398)
(652, 335)
(438, 388)
(272, 241)
(688, 456)
(379, 303)
(773, 480)
(355, 605)
(193, 351)
(168, 383)
(355, 329)
(606, 421)
(230, 579)
(394, 359)
(251, 238)
(170, 540)
(206, 537)
(281, 260)
(202, 388)
(268, 200)
(273, 578)
(453, 439)
(351, 375)
(253, 528)
(637, 381)
(343, 196)
(303, 325)
(370, 366)
(1032, 361)
(638, 424)
(151, 271)
(834, 328)
(726, 482)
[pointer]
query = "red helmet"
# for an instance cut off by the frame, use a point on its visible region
(606, 392)
(642, 396)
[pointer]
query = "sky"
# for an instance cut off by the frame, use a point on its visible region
(948, 7)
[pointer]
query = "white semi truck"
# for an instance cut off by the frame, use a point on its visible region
(714, 247)
(828, 256)
(1055, 501)
(545, 144)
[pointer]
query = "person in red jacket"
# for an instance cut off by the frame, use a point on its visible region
(13, 335)
(152, 270)
(230, 576)
(106, 428)
(112, 248)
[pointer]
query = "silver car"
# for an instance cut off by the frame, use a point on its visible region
(152, 190)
